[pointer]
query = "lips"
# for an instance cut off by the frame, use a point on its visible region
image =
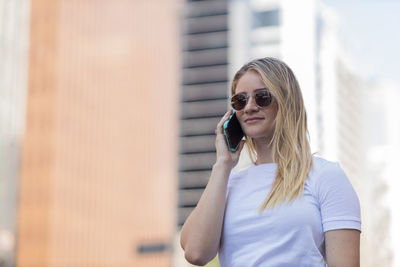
(252, 120)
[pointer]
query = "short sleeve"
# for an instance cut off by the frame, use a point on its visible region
(339, 204)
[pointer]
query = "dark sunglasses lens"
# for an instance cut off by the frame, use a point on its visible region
(238, 102)
(263, 98)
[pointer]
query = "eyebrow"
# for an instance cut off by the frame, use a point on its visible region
(263, 88)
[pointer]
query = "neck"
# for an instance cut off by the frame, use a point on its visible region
(264, 151)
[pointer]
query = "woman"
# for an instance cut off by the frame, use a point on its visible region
(289, 208)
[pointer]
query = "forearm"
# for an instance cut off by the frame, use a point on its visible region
(201, 232)
(342, 248)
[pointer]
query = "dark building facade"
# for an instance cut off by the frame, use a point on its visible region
(204, 92)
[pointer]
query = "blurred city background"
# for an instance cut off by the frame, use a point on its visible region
(108, 110)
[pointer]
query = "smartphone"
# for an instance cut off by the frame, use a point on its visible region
(233, 132)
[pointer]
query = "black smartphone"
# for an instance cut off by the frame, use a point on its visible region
(233, 132)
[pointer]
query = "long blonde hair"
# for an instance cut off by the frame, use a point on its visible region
(290, 141)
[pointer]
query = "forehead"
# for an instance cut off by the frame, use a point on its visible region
(249, 82)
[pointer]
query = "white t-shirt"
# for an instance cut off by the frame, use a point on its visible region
(290, 234)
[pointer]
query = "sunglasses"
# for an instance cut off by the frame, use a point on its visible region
(262, 97)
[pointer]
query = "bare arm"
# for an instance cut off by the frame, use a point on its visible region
(201, 233)
(342, 248)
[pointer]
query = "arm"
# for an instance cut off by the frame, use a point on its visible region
(340, 214)
(201, 233)
(342, 248)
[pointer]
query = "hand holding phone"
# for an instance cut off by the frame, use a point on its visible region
(233, 132)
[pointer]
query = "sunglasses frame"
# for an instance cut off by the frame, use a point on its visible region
(253, 95)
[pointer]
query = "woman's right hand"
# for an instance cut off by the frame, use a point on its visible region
(224, 156)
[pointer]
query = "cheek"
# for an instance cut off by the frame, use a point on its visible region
(273, 112)
(239, 115)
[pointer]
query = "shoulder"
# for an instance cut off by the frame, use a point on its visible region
(329, 180)
(239, 173)
(338, 201)
(324, 169)
(323, 165)
(328, 176)
(236, 175)
(258, 173)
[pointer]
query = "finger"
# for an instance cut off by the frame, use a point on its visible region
(226, 116)
(222, 121)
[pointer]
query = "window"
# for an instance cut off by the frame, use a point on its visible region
(266, 18)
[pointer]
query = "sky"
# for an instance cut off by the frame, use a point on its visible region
(371, 32)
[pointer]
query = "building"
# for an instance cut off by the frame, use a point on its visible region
(93, 149)
(14, 40)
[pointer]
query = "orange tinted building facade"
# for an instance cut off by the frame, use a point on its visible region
(99, 167)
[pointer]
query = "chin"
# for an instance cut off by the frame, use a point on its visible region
(258, 134)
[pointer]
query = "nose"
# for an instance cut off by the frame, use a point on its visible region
(251, 105)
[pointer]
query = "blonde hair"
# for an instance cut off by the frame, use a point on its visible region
(290, 141)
